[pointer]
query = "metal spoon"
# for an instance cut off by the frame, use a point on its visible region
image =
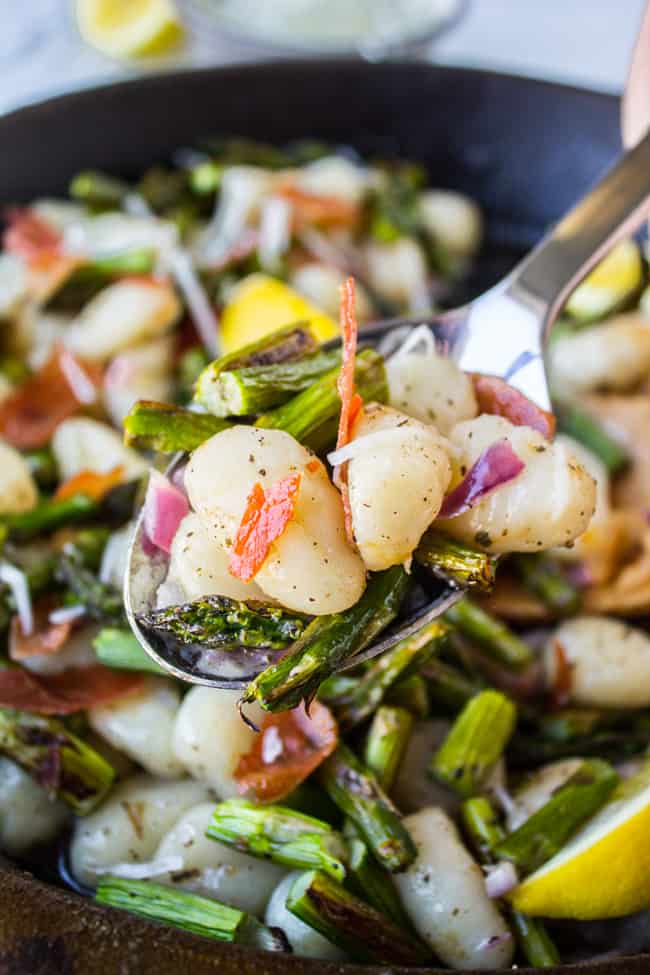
(501, 333)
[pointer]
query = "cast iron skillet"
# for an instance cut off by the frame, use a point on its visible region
(525, 149)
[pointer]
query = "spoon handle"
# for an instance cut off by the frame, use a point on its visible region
(614, 209)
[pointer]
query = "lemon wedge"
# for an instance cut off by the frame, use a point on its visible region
(261, 304)
(129, 28)
(604, 870)
(616, 278)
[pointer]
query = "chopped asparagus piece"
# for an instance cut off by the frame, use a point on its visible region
(218, 621)
(279, 834)
(43, 467)
(356, 927)
(463, 564)
(327, 642)
(585, 428)
(369, 881)
(120, 650)
(386, 743)
(448, 687)
(407, 657)
(493, 636)
(98, 190)
(47, 516)
(167, 428)
(59, 761)
(255, 389)
(545, 832)
(86, 546)
(189, 912)
(359, 796)
(534, 941)
(543, 578)
(100, 600)
(475, 742)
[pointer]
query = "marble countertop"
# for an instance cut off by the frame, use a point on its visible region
(584, 42)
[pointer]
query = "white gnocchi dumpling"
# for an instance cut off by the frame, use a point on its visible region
(538, 788)
(397, 477)
(77, 651)
(142, 726)
(549, 503)
(13, 284)
(609, 661)
(443, 893)
(210, 737)
(144, 372)
(311, 568)
(334, 176)
(129, 825)
(321, 284)
(18, 491)
(205, 866)
(398, 271)
(28, 815)
(81, 444)
(200, 567)
(613, 355)
(431, 388)
(453, 220)
(305, 941)
(121, 316)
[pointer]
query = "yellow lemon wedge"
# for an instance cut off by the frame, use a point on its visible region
(129, 28)
(604, 870)
(617, 277)
(260, 304)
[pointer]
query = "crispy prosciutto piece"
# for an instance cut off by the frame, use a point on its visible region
(560, 692)
(499, 398)
(351, 402)
(90, 483)
(290, 745)
(46, 637)
(320, 209)
(73, 690)
(30, 236)
(265, 519)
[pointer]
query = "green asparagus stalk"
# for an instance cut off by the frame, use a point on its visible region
(205, 177)
(543, 578)
(309, 798)
(411, 694)
(463, 564)
(120, 650)
(327, 642)
(101, 601)
(485, 833)
(47, 516)
(218, 621)
(98, 190)
(312, 416)
(475, 742)
(43, 467)
(86, 546)
(369, 881)
(448, 687)
(386, 743)
(89, 278)
(167, 428)
(493, 636)
(406, 658)
(357, 793)
(585, 428)
(360, 930)
(572, 724)
(288, 344)
(279, 834)
(255, 389)
(545, 832)
(189, 912)
(55, 758)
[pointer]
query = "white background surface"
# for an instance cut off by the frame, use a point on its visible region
(584, 42)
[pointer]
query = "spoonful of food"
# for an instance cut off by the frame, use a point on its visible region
(282, 645)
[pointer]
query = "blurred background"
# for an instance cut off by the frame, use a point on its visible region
(43, 52)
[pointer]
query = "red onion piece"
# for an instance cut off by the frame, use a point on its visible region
(164, 509)
(496, 466)
(501, 879)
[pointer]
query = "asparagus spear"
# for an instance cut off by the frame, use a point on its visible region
(485, 833)
(408, 656)
(101, 601)
(463, 564)
(490, 634)
(279, 834)
(42, 465)
(448, 687)
(120, 649)
(357, 793)
(356, 927)
(47, 516)
(218, 621)
(410, 694)
(167, 428)
(86, 546)
(189, 912)
(386, 743)
(475, 742)
(545, 832)
(327, 642)
(369, 881)
(585, 428)
(287, 344)
(255, 389)
(59, 761)
(543, 578)
(98, 190)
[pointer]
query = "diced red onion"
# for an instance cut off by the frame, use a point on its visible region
(66, 614)
(496, 466)
(77, 378)
(164, 509)
(496, 939)
(17, 581)
(501, 878)
(119, 373)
